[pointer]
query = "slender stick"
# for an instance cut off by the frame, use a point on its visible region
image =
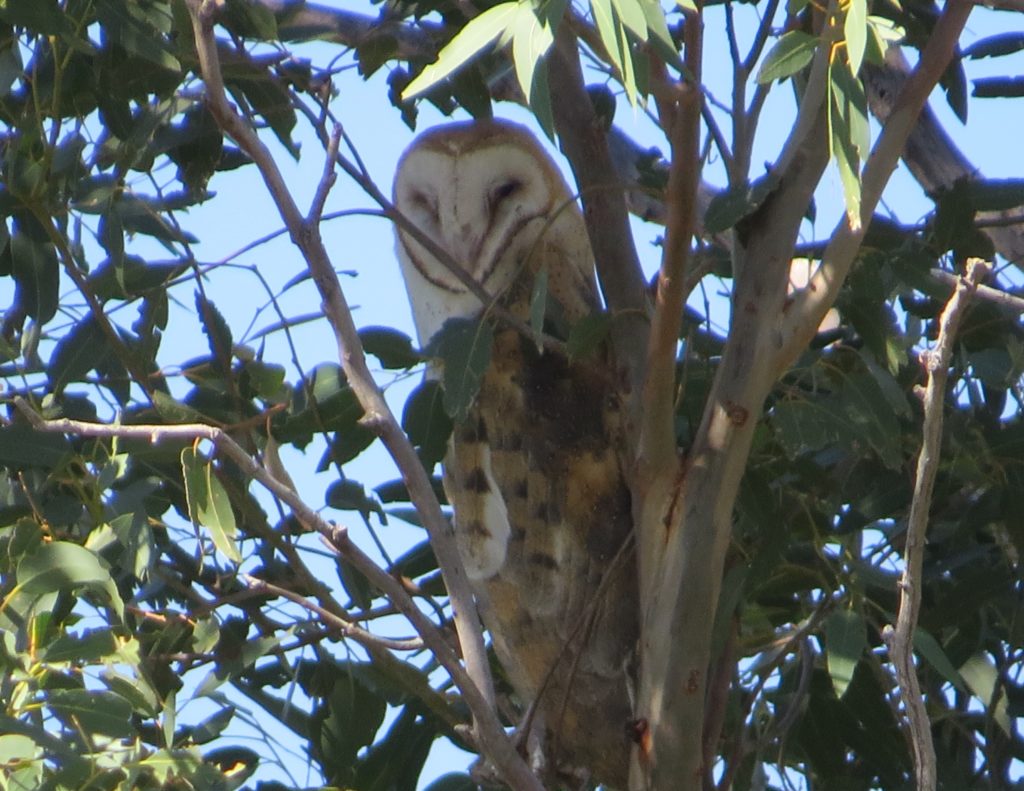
(900, 639)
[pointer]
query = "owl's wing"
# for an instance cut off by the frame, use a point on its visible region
(542, 517)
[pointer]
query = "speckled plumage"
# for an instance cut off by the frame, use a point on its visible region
(534, 473)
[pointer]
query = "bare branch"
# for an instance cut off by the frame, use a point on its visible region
(584, 144)
(360, 635)
(296, 19)
(901, 639)
(475, 680)
(989, 294)
(679, 112)
(933, 158)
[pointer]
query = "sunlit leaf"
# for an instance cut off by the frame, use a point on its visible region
(855, 32)
(531, 39)
(983, 679)
(789, 55)
(633, 17)
(845, 639)
(479, 32)
(208, 502)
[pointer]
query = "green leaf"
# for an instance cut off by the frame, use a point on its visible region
(17, 748)
(208, 502)
(216, 330)
(210, 728)
(632, 14)
(845, 640)
(36, 276)
(995, 46)
(141, 28)
(587, 335)
(173, 411)
(394, 349)
(982, 677)
(789, 55)
(540, 100)
(22, 446)
(848, 134)
(427, 423)
(92, 646)
(658, 28)
(251, 20)
(531, 39)
(56, 747)
(855, 30)
(729, 207)
(607, 28)
(479, 32)
(929, 648)
(464, 348)
(349, 495)
(352, 715)
(268, 96)
(267, 380)
(92, 711)
(82, 349)
(453, 781)
(63, 566)
(40, 16)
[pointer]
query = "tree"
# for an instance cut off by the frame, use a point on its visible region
(796, 624)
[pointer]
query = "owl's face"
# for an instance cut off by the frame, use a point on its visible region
(483, 192)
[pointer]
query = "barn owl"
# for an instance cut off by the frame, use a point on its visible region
(535, 471)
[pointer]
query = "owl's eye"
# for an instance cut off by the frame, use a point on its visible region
(424, 202)
(504, 191)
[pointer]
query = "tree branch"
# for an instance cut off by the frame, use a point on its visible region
(932, 157)
(584, 144)
(378, 416)
(679, 113)
(901, 639)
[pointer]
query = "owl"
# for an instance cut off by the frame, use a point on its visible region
(535, 472)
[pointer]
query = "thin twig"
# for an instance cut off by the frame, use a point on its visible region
(679, 112)
(900, 640)
(347, 628)
(989, 294)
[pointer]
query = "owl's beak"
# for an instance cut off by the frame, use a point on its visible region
(463, 243)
